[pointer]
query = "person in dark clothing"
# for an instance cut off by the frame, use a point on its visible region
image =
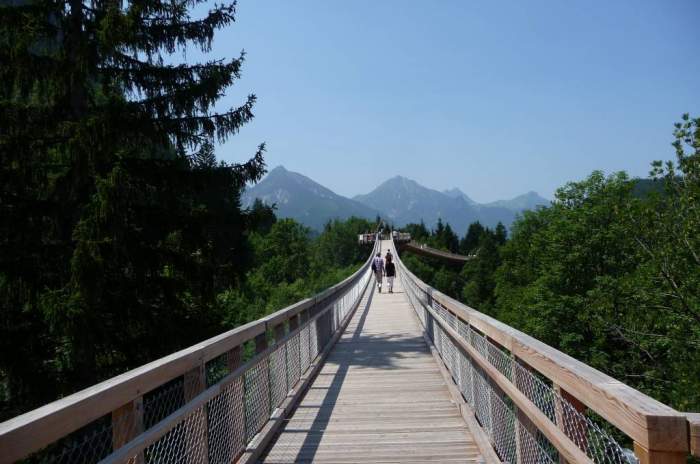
(390, 270)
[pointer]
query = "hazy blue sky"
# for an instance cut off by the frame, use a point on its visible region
(494, 97)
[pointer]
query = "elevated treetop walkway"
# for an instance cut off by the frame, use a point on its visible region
(424, 250)
(404, 242)
(347, 370)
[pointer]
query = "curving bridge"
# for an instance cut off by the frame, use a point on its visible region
(352, 375)
(424, 250)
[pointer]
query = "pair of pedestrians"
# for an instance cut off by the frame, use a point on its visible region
(382, 269)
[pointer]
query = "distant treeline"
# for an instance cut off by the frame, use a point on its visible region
(609, 273)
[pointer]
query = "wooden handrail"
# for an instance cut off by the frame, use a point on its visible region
(36, 429)
(656, 427)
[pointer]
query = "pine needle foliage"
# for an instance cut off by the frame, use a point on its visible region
(118, 225)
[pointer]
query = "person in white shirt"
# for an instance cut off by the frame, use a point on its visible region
(378, 268)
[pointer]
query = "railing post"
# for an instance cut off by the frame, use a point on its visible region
(261, 343)
(694, 423)
(127, 424)
(293, 323)
(278, 331)
(260, 346)
(196, 435)
(647, 456)
(279, 375)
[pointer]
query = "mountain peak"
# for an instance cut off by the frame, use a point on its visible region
(401, 180)
(303, 199)
(278, 171)
(529, 200)
(455, 192)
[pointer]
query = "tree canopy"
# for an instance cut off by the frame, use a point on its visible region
(609, 273)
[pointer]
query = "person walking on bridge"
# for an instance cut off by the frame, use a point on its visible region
(378, 268)
(390, 270)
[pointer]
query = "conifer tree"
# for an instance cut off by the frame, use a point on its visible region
(117, 220)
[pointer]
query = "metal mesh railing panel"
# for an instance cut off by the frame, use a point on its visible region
(257, 397)
(227, 434)
(278, 375)
(294, 360)
(305, 348)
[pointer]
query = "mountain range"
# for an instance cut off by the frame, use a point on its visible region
(398, 200)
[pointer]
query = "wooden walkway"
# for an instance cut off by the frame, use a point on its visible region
(380, 397)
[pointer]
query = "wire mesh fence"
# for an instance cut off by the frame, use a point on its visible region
(213, 415)
(512, 434)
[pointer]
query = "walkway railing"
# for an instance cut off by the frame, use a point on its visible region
(536, 404)
(424, 250)
(206, 403)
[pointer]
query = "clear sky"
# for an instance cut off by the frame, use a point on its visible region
(494, 97)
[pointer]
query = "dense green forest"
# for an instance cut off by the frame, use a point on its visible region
(609, 273)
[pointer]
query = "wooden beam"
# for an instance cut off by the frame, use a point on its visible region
(260, 343)
(196, 431)
(127, 423)
(278, 332)
(694, 427)
(294, 322)
(647, 456)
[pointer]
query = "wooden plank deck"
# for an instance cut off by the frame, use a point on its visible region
(380, 397)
